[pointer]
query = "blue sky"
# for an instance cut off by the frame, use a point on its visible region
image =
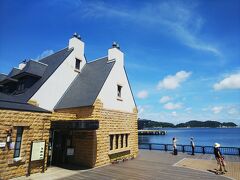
(182, 57)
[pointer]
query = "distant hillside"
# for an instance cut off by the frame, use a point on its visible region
(212, 124)
(145, 123)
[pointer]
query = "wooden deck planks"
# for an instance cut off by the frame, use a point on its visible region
(149, 165)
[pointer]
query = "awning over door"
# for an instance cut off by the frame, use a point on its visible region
(75, 124)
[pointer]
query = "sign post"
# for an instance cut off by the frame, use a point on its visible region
(37, 153)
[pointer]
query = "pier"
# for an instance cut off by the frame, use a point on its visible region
(150, 165)
(152, 132)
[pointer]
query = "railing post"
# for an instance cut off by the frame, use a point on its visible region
(203, 149)
(239, 151)
(165, 147)
(183, 149)
(150, 146)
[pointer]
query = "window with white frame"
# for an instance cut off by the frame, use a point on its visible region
(18, 142)
(118, 141)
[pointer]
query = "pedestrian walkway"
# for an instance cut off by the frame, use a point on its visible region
(233, 168)
(148, 165)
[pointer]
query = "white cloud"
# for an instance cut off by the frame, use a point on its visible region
(45, 54)
(174, 114)
(189, 109)
(172, 106)
(230, 82)
(217, 109)
(142, 94)
(233, 110)
(174, 18)
(173, 81)
(165, 99)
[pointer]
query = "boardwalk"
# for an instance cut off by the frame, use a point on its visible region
(148, 165)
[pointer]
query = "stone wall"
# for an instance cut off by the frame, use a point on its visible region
(116, 123)
(36, 127)
(110, 122)
(92, 148)
(84, 148)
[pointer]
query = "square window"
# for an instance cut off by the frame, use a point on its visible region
(19, 138)
(17, 145)
(77, 64)
(16, 153)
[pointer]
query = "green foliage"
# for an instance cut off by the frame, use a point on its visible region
(144, 123)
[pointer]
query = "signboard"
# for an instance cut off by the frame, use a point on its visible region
(38, 149)
(70, 151)
(2, 144)
(12, 145)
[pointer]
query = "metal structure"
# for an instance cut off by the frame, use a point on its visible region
(188, 148)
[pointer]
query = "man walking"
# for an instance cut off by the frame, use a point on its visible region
(193, 145)
(220, 160)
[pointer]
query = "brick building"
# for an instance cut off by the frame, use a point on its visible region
(84, 112)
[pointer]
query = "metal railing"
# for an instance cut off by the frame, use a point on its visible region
(188, 148)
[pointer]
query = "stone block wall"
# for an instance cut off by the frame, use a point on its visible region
(35, 127)
(85, 147)
(110, 122)
(92, 148)
(116, 123)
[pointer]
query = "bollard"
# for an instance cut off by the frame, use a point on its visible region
(203, 149)
(183, 149)
(150, 146)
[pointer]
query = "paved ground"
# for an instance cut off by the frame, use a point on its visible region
(148, 165)
(233, 168)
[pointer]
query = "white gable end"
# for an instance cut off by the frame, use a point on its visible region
(109, 93)
(56, 85)
(54, 88)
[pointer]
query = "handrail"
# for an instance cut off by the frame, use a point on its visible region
(188, 148)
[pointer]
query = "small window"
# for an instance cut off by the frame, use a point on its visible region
(122, 136)
(77, 64)
(117, 137)
(126, 140)
(18, 142)
(111, 142)
(21, 85)
(119, 91)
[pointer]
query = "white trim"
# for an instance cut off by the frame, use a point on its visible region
(179, 161)
(97, 59)
(37, 62)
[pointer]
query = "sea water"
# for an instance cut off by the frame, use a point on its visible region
(227, 137)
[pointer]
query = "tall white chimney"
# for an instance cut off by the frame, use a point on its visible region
(115, 53)
(78, 45)
(22, 65)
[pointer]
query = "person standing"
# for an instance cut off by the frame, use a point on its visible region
(193, 145)
(174, 141)
(220, 159)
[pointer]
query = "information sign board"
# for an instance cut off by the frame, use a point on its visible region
(38, 149)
